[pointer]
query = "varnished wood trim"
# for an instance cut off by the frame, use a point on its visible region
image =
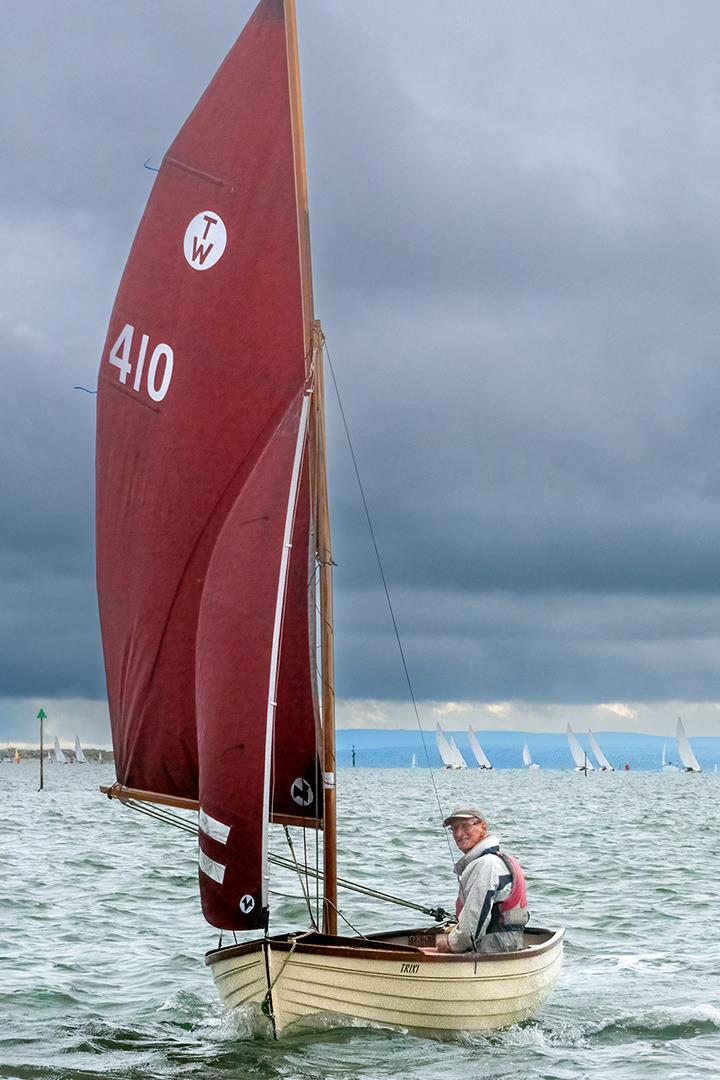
(376, 950)
(119, 791)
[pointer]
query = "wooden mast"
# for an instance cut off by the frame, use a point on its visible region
(324, 555)
(317, 444)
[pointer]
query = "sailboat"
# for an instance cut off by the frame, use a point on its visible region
(17, 756)
(60, 757)
(100, 757)
(603, 763)
(79, 755)
(480, 755)
(582, 761)
(684, 749)
(448, 750)
(212, 531)
(413, 762)
(665, 765)
(527, 758)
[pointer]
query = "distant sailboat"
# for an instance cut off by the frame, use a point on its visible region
(413, 763)
(448, 751)
(460, 762)
(100, 757)
(667, 766)
(684, 749)
(480, 755)
(603, 763)
(582, 761)
(79, 756)
(17, 757)
(527, 758)
(59, 755)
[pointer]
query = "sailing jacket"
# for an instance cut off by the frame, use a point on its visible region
(487, 881)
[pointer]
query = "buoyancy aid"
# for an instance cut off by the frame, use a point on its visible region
(516, 898)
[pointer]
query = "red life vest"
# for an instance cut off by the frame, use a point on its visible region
(518, 891)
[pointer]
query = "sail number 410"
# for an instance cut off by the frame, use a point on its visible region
(159, 369)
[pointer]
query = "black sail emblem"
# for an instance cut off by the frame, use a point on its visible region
(301, 792)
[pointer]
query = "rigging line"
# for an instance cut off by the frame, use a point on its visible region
(168, 818)
(387, 591)
(353, 928)
(304, 883)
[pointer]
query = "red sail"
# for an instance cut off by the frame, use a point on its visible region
(205, 362)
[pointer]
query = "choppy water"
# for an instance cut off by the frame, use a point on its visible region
(101, 971)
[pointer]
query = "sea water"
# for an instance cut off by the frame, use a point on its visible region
(101, 955)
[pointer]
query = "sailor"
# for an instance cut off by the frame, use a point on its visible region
(492, 902)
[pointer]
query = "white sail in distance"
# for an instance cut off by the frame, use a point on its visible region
(59, 755)
(79, 756)
(460, 762)
(578, 754)
(684, 749)
(444, 749)
(480, 755)
(602, 761)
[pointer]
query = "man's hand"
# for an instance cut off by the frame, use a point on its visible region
(441, 941)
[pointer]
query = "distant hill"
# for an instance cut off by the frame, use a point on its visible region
(387, 748)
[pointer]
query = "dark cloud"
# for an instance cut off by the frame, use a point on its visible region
(515, 218)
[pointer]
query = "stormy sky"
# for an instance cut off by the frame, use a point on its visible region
(515, 216)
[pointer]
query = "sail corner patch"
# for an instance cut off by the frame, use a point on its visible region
(301, 792)
(205, 240)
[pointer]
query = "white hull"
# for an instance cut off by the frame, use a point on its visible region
(387, 981)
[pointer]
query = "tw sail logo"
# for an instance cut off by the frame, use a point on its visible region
(205, 240)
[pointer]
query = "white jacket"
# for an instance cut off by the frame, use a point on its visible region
(483, 882)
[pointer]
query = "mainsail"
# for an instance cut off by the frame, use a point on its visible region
(445, 750)
(582, 761)
(59, 755)
(206, 479)
(684, 749)
(480, 755)
(79, 755)
(526, 756)
(602, 761)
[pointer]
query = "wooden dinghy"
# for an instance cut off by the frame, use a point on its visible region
(388, 979)
(213, 538)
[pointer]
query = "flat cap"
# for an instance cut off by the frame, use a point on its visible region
(464, 812)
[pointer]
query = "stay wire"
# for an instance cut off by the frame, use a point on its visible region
(387, 591)
(167, 817)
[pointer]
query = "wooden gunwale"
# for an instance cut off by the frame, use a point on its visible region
(355, 949)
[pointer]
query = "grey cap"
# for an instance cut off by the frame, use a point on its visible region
(464, 812)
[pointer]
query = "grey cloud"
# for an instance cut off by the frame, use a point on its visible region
(515, 234)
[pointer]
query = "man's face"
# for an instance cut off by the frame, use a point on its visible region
(467, 832)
